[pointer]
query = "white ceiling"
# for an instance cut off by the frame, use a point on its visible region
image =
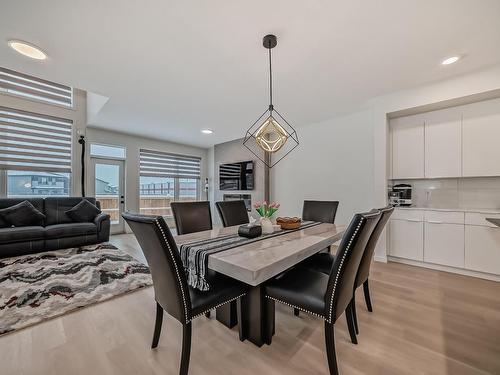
(171, 68)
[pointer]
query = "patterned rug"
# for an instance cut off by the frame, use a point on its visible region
(41, 286)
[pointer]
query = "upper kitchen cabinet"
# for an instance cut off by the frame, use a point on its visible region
(443, 143)
(407, 147)
(481, 139)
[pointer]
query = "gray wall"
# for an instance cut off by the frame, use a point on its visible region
(234, 151)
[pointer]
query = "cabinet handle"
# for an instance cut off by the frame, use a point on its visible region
(434, 222)
(414, 220)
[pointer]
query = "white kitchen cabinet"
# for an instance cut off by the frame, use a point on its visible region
(482, 249)
(443, 143)
(406, 239)
(407, 147)
(444, 244)
(481, 139)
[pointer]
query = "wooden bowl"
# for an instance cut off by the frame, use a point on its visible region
(288, 223)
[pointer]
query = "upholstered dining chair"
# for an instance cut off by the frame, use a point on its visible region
(325, 296)
(323, 262)
(172, 293)
(191, 217)
(232, 212)
(320, 211)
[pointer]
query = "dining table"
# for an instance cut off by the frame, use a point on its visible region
(259, 261)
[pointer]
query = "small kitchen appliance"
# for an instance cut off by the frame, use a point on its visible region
(404, 192)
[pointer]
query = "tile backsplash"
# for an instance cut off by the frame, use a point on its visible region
(477, 192)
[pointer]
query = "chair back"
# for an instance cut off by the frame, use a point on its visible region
(366, 260)
(232, 212)
(191, 217)
(345, 267)
(321, 211)
(160, 250)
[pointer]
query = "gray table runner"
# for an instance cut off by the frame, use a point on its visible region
(194, 255)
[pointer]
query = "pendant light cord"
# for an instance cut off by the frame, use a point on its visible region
(270, 82)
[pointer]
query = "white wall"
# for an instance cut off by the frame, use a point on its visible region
(334, 161)
(132, 145)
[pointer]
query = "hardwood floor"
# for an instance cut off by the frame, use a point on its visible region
(424, 322)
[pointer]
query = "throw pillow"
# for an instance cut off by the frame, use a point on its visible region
(22, 214)
(83, 212)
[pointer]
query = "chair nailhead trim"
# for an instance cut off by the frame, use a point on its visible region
(341, 264)
(219, 305)
(296, 307)
(176, 270)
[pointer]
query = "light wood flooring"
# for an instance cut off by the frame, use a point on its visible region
(424, 322)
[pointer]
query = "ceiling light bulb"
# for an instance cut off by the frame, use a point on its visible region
(207, 131)
(271, 136)
(450, 60)
(27, 49)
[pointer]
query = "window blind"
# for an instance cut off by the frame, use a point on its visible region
(163, 164)
(13, 82)
(34, 142)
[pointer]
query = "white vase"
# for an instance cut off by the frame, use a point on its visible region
(267, 225)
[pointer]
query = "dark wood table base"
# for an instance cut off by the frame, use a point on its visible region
(257, 317)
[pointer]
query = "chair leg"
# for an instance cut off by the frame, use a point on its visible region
(330, 348)
(186, 348)
(366, 290)
(354, 314)
(296, 312)
(350, 323)
(158, 323)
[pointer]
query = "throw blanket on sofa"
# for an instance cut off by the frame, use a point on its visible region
(194, 255)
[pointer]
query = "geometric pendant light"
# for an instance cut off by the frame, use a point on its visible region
(271, 137)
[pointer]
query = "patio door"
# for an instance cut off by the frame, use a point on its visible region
(108, 187)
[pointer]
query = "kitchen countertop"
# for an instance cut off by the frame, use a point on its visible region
(493, 221)
(477, 210)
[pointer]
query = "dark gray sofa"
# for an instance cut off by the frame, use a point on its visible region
(59, 230)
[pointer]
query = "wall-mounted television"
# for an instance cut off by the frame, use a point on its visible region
(236, 176)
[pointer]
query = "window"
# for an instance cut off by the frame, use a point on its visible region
(12, 82)
(35, 153)
(107, 151)
(165, 178)
(37, 184)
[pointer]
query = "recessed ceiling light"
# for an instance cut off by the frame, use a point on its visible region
(207, 131)
(450, 60)
(27, 49)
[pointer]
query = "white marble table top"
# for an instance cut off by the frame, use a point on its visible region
(259, 261)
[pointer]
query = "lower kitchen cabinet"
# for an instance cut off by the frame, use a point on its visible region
(456, 239)
(407, 239)
(444, 244)
(482, 249)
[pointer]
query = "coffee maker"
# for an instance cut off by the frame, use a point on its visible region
(400, 195)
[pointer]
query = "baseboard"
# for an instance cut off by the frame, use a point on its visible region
(459, 271)
(380, 258)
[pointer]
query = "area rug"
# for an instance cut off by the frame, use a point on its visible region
(41, 286)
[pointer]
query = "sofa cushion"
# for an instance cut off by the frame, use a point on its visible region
(22, 214)
(21, 234)
(83, 212)
(38, 203)
(56, 207)
(70, 230)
